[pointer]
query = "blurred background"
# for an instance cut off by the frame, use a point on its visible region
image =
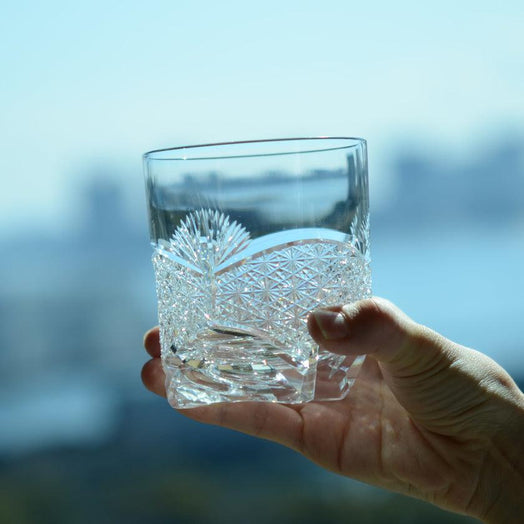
(437, 89)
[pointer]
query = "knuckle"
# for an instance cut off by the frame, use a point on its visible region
(384, 326)
(375, 309)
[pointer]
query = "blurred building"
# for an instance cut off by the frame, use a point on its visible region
(433, 191)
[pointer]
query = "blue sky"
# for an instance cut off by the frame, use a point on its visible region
(87, 83)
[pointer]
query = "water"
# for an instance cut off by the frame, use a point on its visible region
(233, 310)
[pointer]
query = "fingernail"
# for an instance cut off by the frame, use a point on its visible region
(332, 324)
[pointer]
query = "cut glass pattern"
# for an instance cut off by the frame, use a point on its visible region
(233, 310)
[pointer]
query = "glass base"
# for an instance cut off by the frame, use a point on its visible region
(336, 375)
(228, 367)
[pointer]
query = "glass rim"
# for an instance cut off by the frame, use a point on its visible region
(159, 154)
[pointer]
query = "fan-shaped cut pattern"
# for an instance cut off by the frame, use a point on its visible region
(208, 238)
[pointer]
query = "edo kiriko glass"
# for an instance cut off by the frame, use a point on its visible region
(248, 238)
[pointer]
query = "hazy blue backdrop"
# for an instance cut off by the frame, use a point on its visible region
(437, 89)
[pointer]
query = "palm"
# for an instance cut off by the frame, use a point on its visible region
(367, 436)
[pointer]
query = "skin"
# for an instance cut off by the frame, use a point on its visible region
(427, 417)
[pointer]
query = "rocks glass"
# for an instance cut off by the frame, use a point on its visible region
(248, 238)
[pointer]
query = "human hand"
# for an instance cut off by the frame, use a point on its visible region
(426, 417)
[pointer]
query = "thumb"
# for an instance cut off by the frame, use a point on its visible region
(422, 369)
(447, 387)
(378, 328)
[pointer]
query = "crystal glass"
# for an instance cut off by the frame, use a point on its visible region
(248, 238)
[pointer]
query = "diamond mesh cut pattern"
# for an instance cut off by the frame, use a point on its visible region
(204, 282)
